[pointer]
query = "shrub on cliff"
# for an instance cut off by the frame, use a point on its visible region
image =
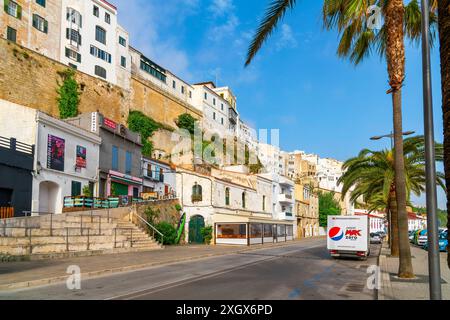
(69, 97)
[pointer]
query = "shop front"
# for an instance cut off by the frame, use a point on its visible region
(252, 231)
(119, 184)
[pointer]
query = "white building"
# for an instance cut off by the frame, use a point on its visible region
(377, 220)
(269, 156)
(247, 134)
(66, 157)
(238, 206)
(160, 77)
(93, 42)
(159, 177)
(216, 110)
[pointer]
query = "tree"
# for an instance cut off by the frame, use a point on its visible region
(69, 97)
(444, 38)
(372, 174)
(328, 206)
(187, 122)
(351, 18)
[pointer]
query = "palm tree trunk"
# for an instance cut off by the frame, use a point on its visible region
(395, 52)
(394, 224)
(388, 217)
(444, 32)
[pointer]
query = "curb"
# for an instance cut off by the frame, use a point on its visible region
(97, 273)
(385, 292)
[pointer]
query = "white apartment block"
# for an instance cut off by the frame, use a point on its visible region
(89, 37)
(247, 135)
(215, 108)
(269, 156)
(160, 77)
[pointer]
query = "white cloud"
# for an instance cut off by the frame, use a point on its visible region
(221, 7)
(287, 39)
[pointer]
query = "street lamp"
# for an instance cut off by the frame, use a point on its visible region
(391, 135)
(430, 161)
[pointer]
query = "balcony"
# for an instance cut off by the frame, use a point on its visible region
(232, 116)
(285, 198)
(287, 215)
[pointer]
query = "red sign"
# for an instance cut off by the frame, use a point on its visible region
(109, 123)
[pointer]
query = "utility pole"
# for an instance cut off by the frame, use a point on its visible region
(432, 221)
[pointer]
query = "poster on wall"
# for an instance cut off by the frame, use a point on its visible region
(81, 157)
(55, 153)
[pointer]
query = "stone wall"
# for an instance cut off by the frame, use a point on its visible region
(31, 79)
(165, 211)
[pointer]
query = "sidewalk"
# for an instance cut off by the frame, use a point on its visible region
(393, 288)
(25, 274)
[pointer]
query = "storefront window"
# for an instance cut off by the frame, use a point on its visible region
(290, 231)
(256, 230)
(281, 230)
(268, 230)
(232, 231)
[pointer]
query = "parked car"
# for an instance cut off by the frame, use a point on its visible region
(443, 242)
(375, 238)
(411, 236)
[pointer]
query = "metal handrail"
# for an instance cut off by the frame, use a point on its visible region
(152, 227)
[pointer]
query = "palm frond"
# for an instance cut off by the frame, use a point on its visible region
(274, 13)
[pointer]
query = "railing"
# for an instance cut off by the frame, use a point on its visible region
(146, 223)
(13, 144)
(89, 203)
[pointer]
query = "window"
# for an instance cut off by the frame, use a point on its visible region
(182, 89)
(13, 9)
(107, 18)
(101, 72)
(206, 96)
(40, 23)
(101, 54)
(11, 34)
(41, 2)
(190, 94)
(100, 34)
(197, 193)
(227, 196)
(128, 162)
(96, 11)
(73, 16)
(73, 66)
(264, 203)
(122, 41)
(222, 106)
(174, 85)
(243, 199)
(221, 121)
(214, 115)
(73, 55)
(214, 101)
(74, 36)
(76, 188)
(115, 158)
(153, 69)
(123, 62)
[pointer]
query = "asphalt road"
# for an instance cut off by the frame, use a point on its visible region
(303, 270)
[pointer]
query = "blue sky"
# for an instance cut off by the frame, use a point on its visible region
(321, 103)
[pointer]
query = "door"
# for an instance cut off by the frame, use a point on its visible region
(5, 197)
(119, 189)
(196, 223)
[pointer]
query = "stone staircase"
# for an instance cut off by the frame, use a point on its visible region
(74, 234)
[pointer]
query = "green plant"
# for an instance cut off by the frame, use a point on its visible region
(187, 122)
(328, 206)
(206, 232)
(151, 215)
(87, 191)
(169, 232)
(69, 97)
(145, 126)
(178, 207)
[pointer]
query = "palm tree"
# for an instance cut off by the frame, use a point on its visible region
(372, 174)
(357, 41)
(444, 38)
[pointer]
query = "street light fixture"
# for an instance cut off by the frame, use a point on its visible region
(391, 135)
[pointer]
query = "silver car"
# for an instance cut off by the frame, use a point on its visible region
(375, 238)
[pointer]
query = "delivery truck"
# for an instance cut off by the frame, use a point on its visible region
(348, 236)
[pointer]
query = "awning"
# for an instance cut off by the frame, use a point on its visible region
(127, 181)
(234, 218)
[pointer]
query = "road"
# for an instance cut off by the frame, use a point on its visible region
(302, 270)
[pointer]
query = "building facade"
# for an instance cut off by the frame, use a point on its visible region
(66, 157)
(159, 178)
(120, 156)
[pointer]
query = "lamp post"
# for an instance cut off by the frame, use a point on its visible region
(391, 136)
(430, 161)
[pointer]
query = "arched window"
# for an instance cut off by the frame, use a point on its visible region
(197, 193)
(243, 199)
(227, 196)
